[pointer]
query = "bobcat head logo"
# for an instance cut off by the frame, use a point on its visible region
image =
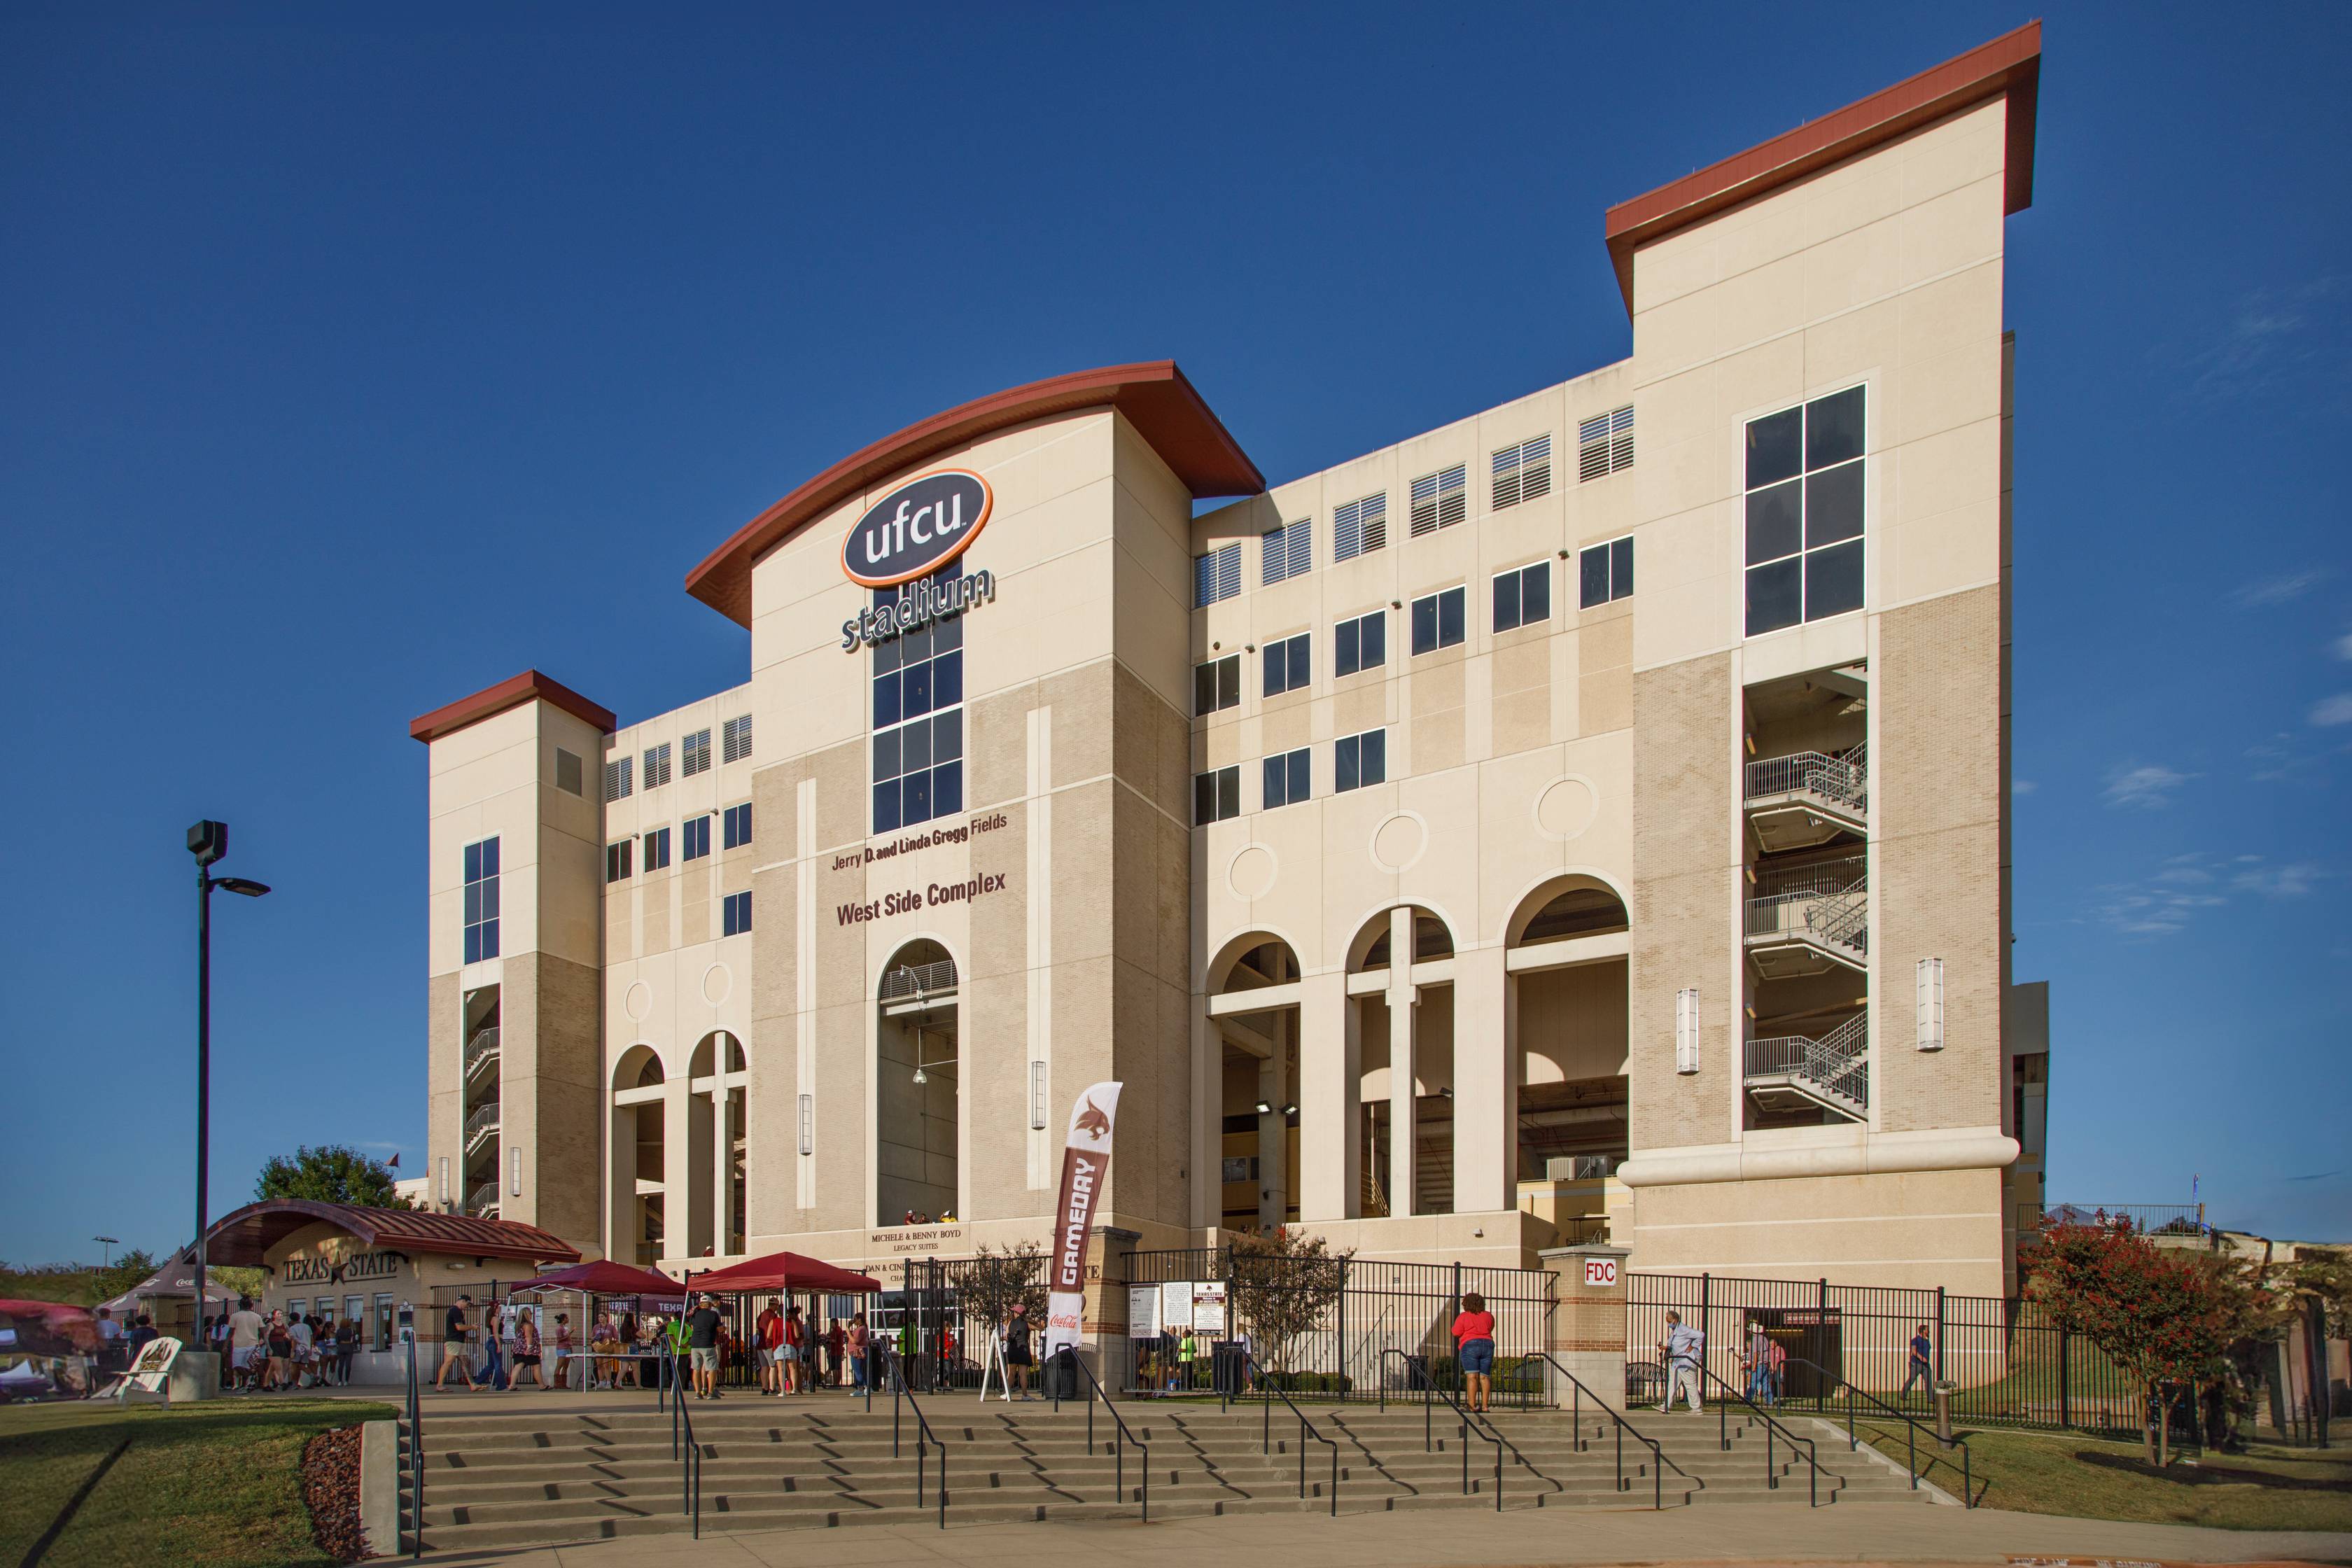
(1092, 1123)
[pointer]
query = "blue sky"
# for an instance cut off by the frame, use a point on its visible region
(354, 360)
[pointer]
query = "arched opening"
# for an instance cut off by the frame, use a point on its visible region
(1406, 1066)
(1258, 1075)
(1569, 1005)
(717, 1084)
(917, 1102)
(640, 1224)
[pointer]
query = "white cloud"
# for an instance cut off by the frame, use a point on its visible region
(2277, 590)
(2279, 882)
(2343, 647)
(2271, 335)
(2151, 785)
(2022, 786)
(2151, 912)
(2331, 710)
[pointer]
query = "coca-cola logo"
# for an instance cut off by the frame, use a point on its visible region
(918, 528)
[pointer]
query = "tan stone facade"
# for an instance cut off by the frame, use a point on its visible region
(1649, 884)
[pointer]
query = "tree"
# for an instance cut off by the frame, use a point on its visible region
(1282, 1284)
(2165, 1317)
(993, 1283)
(331, 1174)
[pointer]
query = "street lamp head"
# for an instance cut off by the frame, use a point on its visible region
(208, 841)
(250, 889)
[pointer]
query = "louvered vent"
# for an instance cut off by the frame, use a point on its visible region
(697, 753)
(1217, 575)
(1523, 472)
(1290, 551)
(1605, 444)
(617, 773)
(1360, 527)
(657, 765)
(735, 739)
(1440, 500)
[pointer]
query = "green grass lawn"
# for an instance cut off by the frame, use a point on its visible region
(2089, 1478)
(216, 1484)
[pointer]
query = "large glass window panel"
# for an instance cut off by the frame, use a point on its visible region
(1450, 606)
(1833, 506)
(915, 798)
(1833, 432)
(1347, 644)
(1776, 522)
(1776, 446)
(947, 736)
(915, 747)
(946, 680)
(1300, 771)
(1535, 593)
(1229, 791)
(1592, 576)
(1776, 596)
(1375, 634)
(885, 805)
(1276, 782)
(1375, 760)
(886, 763)
(1833, 580)
(947, 789)
(1275, 662)
(886, 699)
(917, 689)
(1621, 567)
(1506, 601)
(1424, 624)
(1345, 761)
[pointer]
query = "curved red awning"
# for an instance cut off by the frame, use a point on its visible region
(243, 1238)
(606, 1277)
(781, 1271)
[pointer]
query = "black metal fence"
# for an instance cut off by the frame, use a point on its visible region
(1322, 1329)
(2008, 1365)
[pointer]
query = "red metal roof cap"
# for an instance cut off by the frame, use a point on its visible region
(243, 1238)
(511, 692)
(1154, 395)
(2010, 63)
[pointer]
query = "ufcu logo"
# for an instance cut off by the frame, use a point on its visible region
(918, 528)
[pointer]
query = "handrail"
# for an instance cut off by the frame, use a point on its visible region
(899, 1388)
(1658, 1461)
(1723, 1432)
(1420, 1370)
(1911, 1432)
(415, 1454)
(1125, 1437)
(1305, 1428)
(689, 1475)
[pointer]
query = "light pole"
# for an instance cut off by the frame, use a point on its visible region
(106, 1251)
(208, 841)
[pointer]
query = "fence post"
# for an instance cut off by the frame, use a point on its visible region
(1939, 1337)
(1342, 1387)
(2065, 1385)
(1706, 1339)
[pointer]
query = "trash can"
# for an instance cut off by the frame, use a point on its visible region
(1058, 1378)
(1227, 1363)
(1943, 1392)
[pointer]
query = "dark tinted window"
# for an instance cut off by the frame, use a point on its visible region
(1833, 428)
(1776, 446)
(1833, 506)
(1774, 595)
(1804, 545)
(1776, 522)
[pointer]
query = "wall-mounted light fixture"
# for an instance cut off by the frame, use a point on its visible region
(808, 1124)
(1930, 984)
(1036, 1096)
(1687, 1031)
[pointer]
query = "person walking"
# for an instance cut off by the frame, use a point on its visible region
(454, 1351)
(1922, 1363)
(795, 1338)
(527, 1350)
(1684, 1349)
(763, 1347)
(1758, 1363)
(860, 1353)
(1474, 1348)
(1019, 1361)
(244, 1332)
(702, 1342)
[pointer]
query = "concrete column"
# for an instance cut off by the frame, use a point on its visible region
(1208, 1117)
(1588, 1327)
(678, 1167)
(1330, 1073)
(1103, 1319)
(1404, 1078)
(1486, 1119)
(1274, 1087)
(722, 1151)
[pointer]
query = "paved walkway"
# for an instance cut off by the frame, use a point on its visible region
(1715, 1532)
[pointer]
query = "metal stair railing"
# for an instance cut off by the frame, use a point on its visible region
(918, 980)
(484, 1044)
(415, 1451)
(1125, 1437)
(1837, 1061)
(1658, 1461)
(924, 1437)
(1842, 919)
(1911, 1425)
(1419, 1369)
(690, 1474)
(482, 1199)
(484, 1119)
(1305, 1428)
(1843, 778)
(1723, 1433)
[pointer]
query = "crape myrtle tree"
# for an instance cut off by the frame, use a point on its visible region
(2166, 1318)
(331, 1174)
(1283, 1286)
(990, 1284)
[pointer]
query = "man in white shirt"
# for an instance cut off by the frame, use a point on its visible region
(246, 1330)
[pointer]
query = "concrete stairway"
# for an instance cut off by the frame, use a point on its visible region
(499, 1477)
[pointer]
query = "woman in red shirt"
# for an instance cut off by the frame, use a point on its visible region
(1473, 1348)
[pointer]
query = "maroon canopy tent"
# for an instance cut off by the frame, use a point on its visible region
(783, 1272)
(606, 1277)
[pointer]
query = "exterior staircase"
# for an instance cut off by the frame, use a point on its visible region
(1809, 919)
(1789, 1071)
(1807, 798)
(496, 1478)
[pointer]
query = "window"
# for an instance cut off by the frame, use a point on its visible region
(735, 914)
(1604, 572)
(616, 860)
(1523, 596)
(696, 831)
(1216, 795)
(737, 830)
(1216, 577)
(481, 900)
(1360, 527)
(1605, 444)
(1287, 667)
(1804, 511)
(1523, 472)
(616, 779)
(1290, 551)
(918, 753)
(567, 771)
(735, 739)
(656, 848)
(1360, 644)
(656, 766)
(1437, 620)
(697, 748)
(1359, 760)
(1285, 778)
(1217, 685)
(1440, 500)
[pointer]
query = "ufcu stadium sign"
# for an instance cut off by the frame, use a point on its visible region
(917, 529)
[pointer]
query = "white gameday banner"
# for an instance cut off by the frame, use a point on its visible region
(1085, 1162)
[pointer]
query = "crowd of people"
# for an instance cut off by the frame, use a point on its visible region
(272, 1354)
